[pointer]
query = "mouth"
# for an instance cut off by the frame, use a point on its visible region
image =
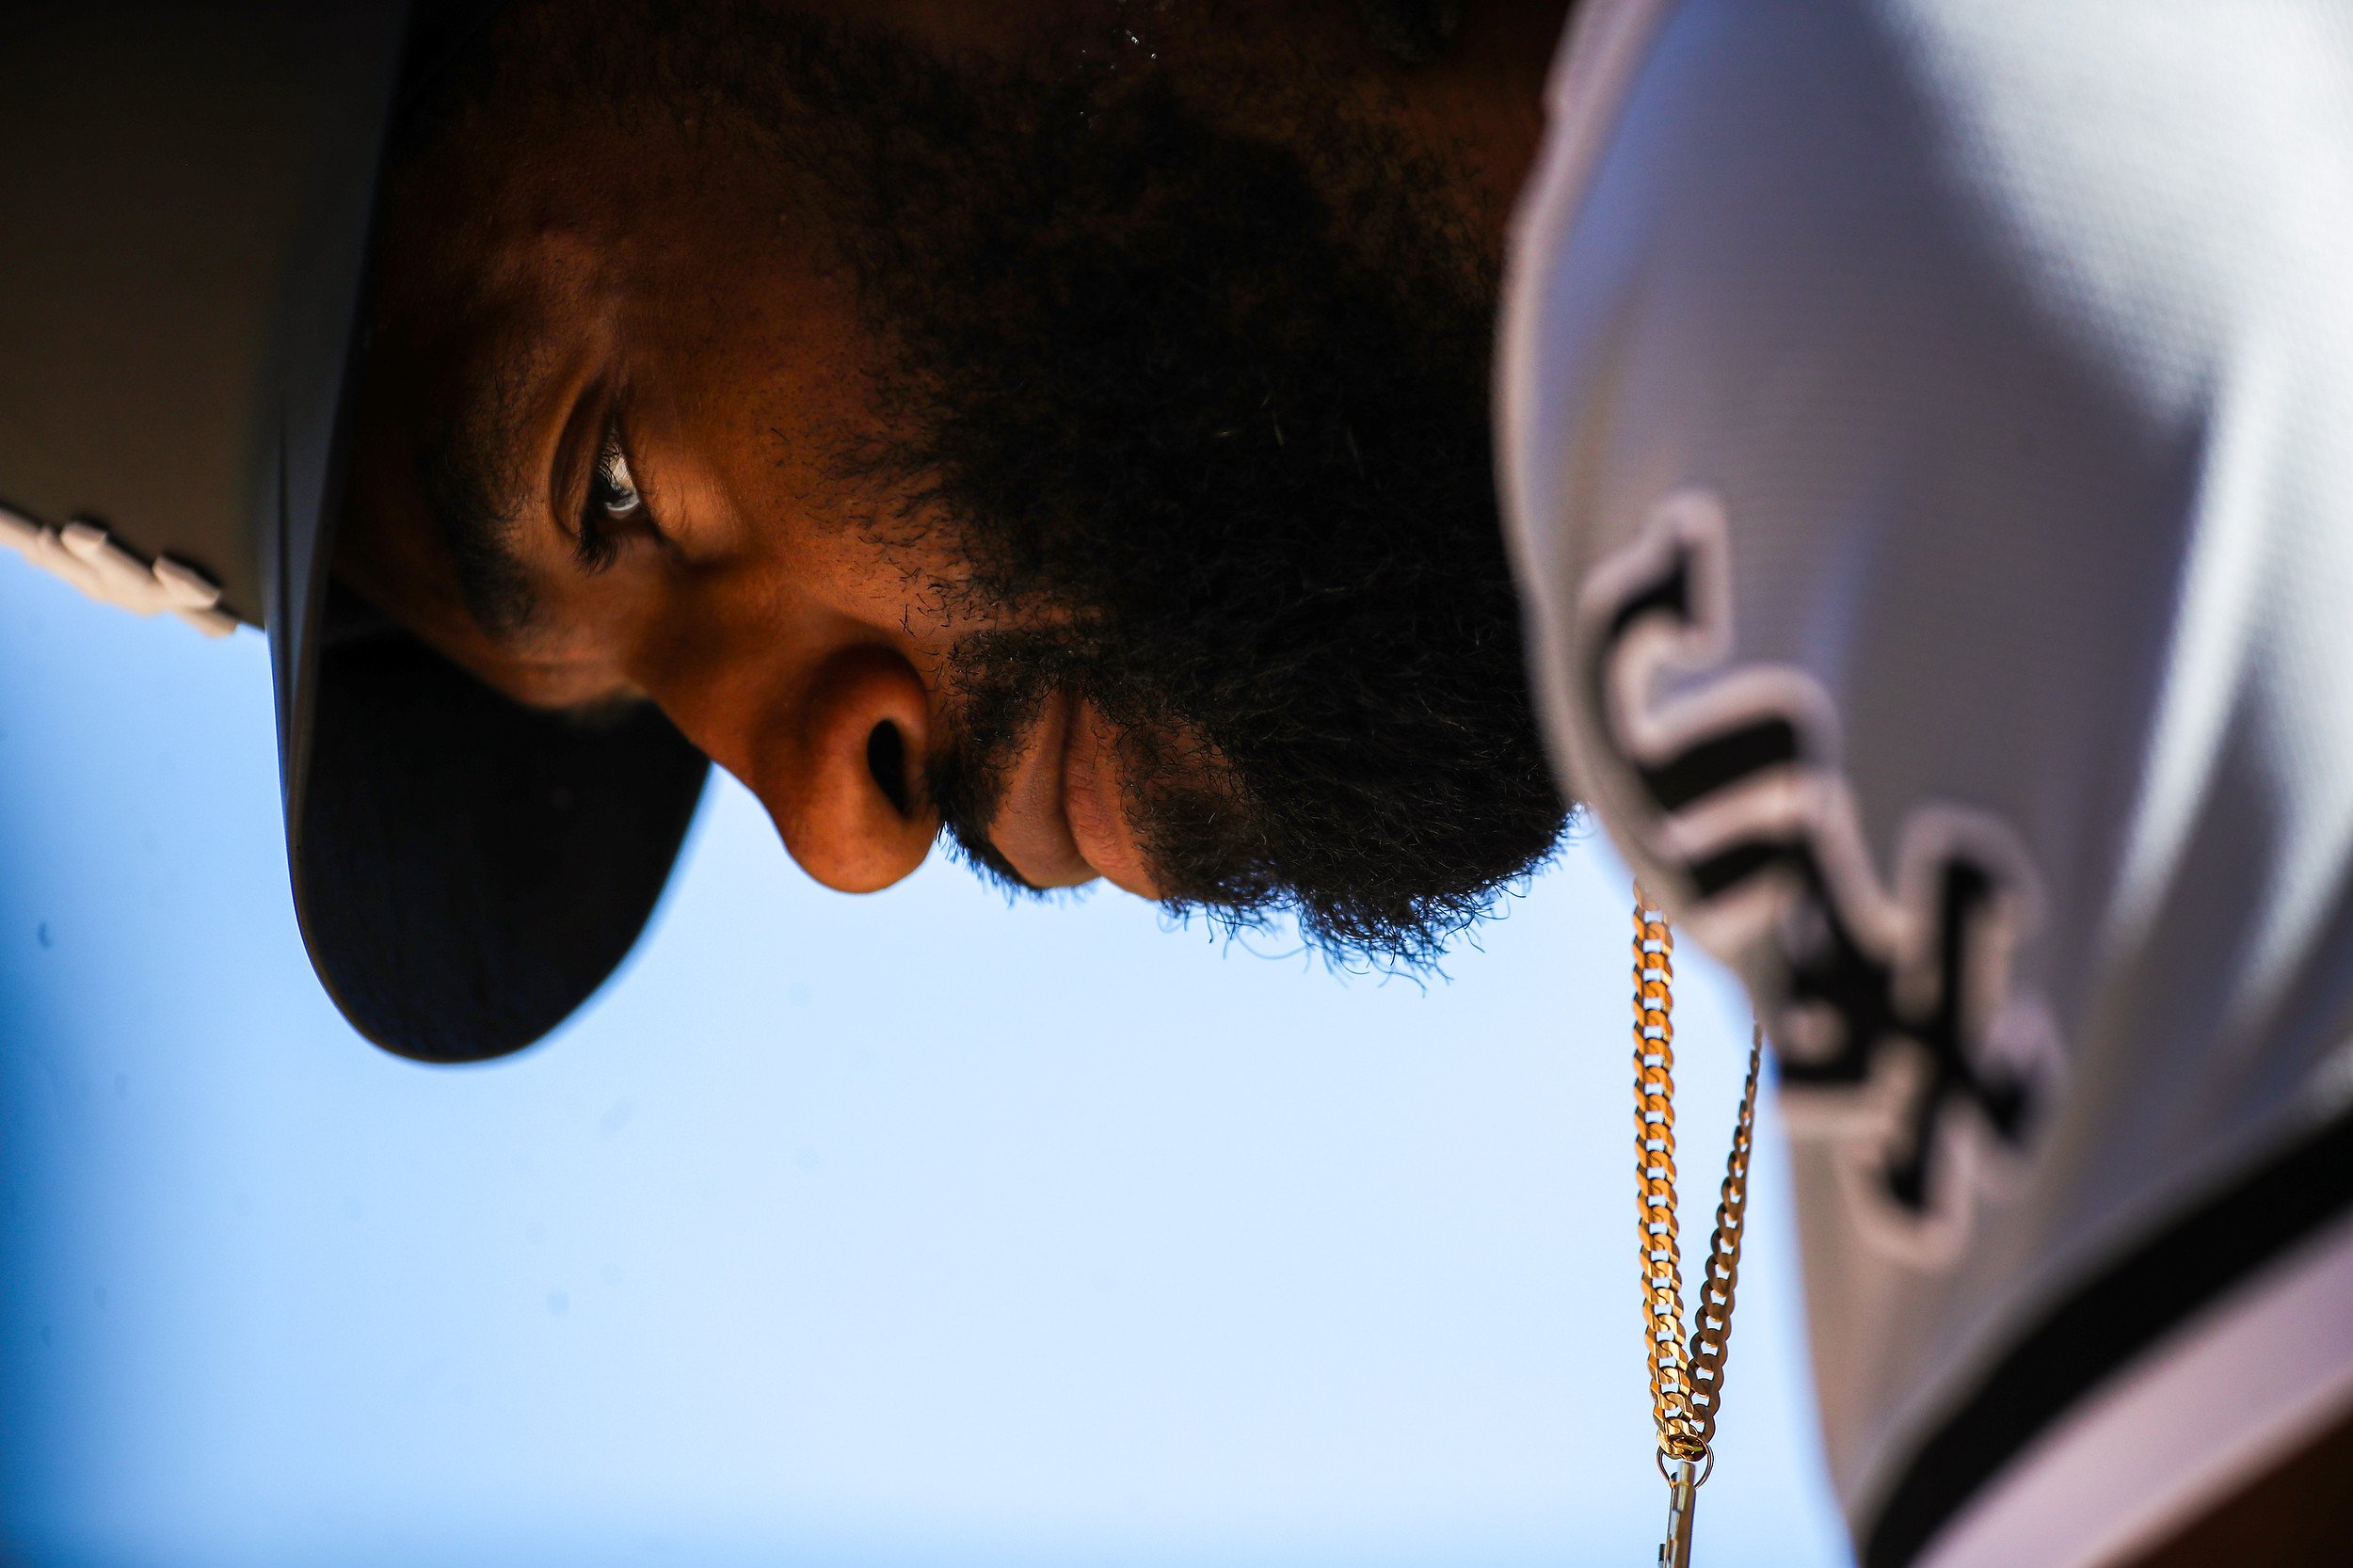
(1061, 824)
(1094, 806)
(1031, 827)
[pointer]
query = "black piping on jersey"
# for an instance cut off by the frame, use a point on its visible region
(2135, 1301)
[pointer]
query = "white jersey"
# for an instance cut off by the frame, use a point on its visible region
(1927, 436)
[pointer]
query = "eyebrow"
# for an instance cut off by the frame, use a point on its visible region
(473, 493)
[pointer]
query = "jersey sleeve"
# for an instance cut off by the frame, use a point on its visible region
(1924, 438)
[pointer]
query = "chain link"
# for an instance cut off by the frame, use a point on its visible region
(1686, 1377)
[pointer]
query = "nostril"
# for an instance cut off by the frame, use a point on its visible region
(887, 760)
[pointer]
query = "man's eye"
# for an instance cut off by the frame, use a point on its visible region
(613, 490)
(613, 498)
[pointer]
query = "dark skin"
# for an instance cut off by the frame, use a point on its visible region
(665, 286)
(2299, 1512)
(614, 274)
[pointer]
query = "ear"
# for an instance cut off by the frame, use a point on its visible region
(1413, 32)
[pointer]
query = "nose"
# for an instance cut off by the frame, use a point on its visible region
(842, 782)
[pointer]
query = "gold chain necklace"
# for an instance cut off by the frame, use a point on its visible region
(1687, 1382)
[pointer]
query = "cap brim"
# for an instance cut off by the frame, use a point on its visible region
(468, 872)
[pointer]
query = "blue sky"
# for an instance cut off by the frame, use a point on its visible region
(912, 1230)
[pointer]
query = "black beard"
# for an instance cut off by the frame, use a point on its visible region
(1232, 424)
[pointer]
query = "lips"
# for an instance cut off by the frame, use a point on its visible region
(1061, 824)
(1092, 804)
(1031, 829)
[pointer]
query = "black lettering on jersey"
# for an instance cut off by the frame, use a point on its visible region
(1892, 1011)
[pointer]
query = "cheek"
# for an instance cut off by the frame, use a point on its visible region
(761, 388)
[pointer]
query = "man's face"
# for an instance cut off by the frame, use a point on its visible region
(1080, 449)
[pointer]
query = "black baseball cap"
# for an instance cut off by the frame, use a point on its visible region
(190, 192)
(467, 871)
